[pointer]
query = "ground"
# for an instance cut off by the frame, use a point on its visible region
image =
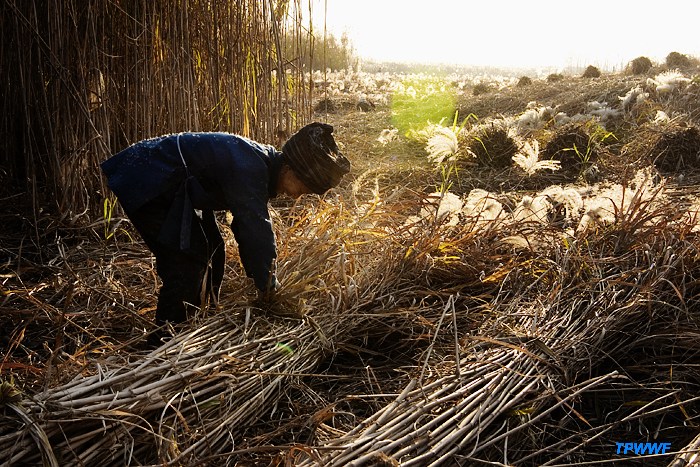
(460, 313)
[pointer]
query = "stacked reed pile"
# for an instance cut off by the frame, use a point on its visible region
(428, 345)
(518, 390)
(228, 373)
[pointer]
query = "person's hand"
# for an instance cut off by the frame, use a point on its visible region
(277, 304)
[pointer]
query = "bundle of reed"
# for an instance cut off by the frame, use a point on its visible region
(492, 353)
(690, 455)
(198, 394)
(495, 391)
(188, 399)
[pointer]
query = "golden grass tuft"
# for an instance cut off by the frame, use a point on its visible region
(492, 146)
(574, 147)
(671, 147)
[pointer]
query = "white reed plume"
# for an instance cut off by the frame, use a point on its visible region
(598, 215)
(668, 81)
(611, 202)
(448, 209)
(531, 209)
(388, 135)
(661, 117)
(636, 95)
(442, 145)
(535, 117)
(481, 208)
(528, 159)
(601, 110)
(442, 207)
(561, 119)
(569, 199)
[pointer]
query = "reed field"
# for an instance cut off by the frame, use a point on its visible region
(507, 277)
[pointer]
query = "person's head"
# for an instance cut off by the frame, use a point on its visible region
(312, 161)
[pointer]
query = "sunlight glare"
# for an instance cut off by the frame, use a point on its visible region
(541, 33)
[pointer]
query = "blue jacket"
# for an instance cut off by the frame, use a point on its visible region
(205, 171)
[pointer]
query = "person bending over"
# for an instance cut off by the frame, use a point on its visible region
(170, 186)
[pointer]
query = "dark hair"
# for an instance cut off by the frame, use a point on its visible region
(315, 158)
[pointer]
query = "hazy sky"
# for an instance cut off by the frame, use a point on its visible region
(518, 33)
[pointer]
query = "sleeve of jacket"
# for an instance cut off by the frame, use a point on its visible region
(247, 197)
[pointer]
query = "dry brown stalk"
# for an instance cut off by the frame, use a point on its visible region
(424, 345)
(529, 358)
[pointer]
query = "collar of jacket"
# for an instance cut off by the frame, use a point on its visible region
(274, 164)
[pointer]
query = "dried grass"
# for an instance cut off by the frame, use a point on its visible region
(424, 343)
(493, 147)
(672, 147)
(419, 348)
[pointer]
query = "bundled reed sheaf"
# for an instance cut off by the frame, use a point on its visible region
(421, 346)
(82, 81)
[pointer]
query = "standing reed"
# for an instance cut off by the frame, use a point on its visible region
(82, 81)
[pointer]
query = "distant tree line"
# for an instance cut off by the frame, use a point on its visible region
(318, 51)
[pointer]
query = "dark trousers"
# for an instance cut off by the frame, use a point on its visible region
(190, 278)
